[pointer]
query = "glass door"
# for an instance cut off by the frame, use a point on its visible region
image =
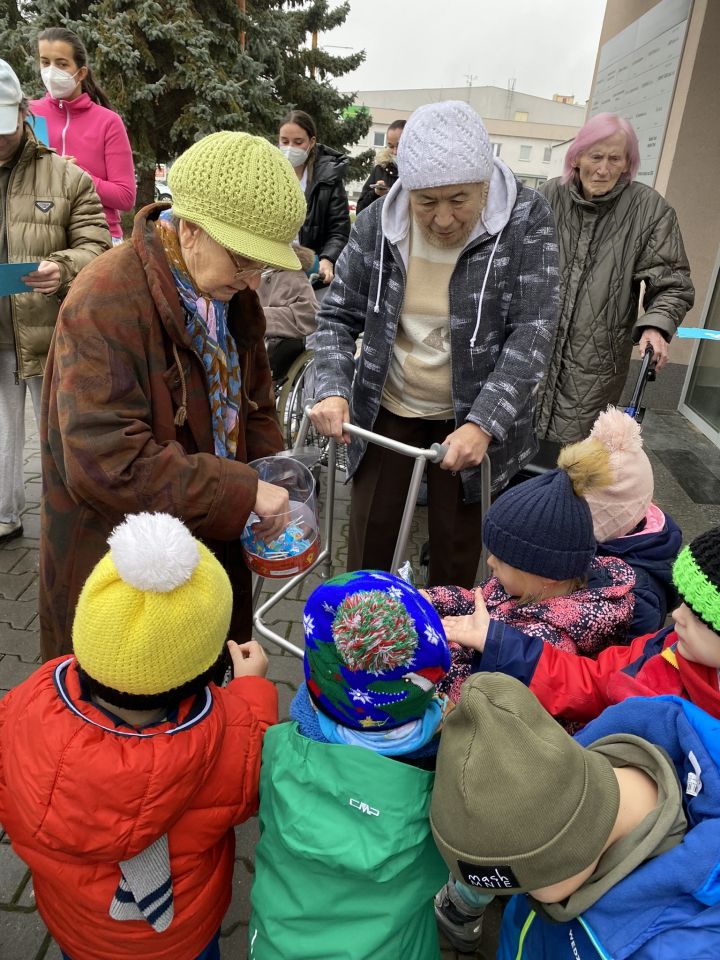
(700, 402)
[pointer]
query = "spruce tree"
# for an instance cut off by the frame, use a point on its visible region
(177, 70)
(280, 35)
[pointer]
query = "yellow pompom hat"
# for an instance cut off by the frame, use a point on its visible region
(242, 192)
(154, 614)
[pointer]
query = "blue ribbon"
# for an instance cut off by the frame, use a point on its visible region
(697, 333)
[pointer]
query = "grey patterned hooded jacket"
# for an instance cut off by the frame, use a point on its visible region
(503, 315)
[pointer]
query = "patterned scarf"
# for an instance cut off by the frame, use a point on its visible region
(206, 322)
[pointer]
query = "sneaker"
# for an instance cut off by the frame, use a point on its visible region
(461, 926)
(8, 531)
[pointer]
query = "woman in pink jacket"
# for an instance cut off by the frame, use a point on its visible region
(81, 126)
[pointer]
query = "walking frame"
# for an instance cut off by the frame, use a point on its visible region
(434, 454)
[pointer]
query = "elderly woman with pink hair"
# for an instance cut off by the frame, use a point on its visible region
(614, 234)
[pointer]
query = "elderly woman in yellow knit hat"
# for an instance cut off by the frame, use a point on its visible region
(159, 392)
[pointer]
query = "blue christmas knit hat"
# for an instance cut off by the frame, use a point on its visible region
(374, 650)
(542, 526)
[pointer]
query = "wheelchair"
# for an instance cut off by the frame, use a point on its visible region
(294, 384)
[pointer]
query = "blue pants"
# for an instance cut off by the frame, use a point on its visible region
(211, 951)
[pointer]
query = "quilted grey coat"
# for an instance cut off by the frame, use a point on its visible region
(500, 344)
(607, 247)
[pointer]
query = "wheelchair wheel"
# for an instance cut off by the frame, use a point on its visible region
(295, 393)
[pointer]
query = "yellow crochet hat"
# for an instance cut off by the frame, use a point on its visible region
(155, 612)
(242, 191)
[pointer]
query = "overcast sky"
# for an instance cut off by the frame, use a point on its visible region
(547, 46)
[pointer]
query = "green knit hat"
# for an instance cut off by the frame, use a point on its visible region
(242, 192)
(517, 803)
(696, 574)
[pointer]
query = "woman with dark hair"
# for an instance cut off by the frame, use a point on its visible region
(320, 170)
(385, 173)
(82, 127)
(614, 234)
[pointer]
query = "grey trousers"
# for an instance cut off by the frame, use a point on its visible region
(12, 435)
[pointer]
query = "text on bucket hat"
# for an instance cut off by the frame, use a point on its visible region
(243, 193)
(155, 611)
(517, 803)
(442, 144)
(11, 96)
(696, 574)
(374, 650)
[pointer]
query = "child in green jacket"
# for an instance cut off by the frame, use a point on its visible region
(346, 867)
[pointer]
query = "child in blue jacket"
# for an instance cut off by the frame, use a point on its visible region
(610, 842)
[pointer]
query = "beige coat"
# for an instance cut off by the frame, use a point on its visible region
(53, 213)
(288, 299)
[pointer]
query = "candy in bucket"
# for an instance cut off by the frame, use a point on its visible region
(297, 545)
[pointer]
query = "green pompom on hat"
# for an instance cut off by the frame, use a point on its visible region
(696, 574)
(243, 193)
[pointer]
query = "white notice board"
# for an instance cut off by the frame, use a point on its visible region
(636, 77)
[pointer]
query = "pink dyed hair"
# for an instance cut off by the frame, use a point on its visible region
(599, 128)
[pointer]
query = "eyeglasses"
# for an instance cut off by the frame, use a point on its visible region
(242, 270)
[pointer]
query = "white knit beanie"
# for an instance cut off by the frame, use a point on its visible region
(444, 143)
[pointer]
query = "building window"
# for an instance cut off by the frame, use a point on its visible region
(496, 149)
(547, 155)
(379, 138)
(525, 152)
(521, 115)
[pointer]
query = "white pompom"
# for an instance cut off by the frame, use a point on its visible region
(153, 551)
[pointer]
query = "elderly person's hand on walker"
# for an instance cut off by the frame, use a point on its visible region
(328, 417)
(161, 388)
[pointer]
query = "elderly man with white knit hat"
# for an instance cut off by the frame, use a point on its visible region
(453, 279)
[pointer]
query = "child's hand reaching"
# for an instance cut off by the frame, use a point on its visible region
(470, 631)
(248, 659)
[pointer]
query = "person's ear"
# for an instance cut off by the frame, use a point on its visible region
(188, 234)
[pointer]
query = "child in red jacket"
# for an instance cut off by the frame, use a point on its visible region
(683, 660)
(123, 768)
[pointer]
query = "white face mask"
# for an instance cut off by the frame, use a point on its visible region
(58, 83)
(296, 155)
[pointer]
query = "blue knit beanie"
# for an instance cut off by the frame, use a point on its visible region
(374, 650)
(542, 526)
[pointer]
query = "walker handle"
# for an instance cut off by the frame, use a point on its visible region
(440, 450)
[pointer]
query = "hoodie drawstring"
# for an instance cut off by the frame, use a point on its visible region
(65, 128)
(482, 290)
(376, 308)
